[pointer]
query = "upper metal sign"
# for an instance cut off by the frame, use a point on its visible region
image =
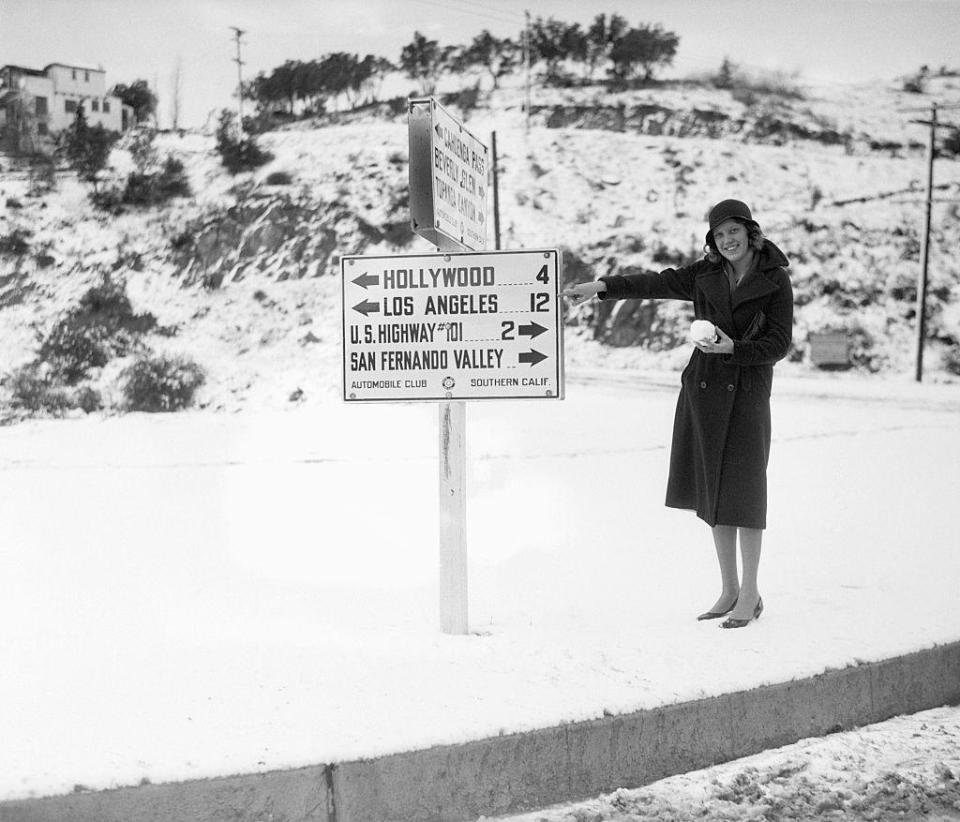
(448, 179)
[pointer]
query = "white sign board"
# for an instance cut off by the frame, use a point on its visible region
(448, 179)
(458, 326)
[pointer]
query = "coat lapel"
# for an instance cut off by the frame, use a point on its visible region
(714, 286)
(756, 285)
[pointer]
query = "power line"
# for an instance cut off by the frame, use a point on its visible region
(472, 9)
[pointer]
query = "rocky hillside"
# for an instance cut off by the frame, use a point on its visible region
(242, 277)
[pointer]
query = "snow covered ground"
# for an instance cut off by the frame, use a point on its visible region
(905, 768)
(214, 593)
(204, 594)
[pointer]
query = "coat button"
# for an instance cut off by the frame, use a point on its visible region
(730, 387)
(703, 385)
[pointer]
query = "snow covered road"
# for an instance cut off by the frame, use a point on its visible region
(197, 595)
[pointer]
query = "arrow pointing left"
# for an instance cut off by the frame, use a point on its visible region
(367, 279)
(367, 307)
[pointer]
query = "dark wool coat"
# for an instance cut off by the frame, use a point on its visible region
(721, 431)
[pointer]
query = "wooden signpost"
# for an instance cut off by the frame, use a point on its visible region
(457, 325)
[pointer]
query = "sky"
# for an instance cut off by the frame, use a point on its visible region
(831, 40)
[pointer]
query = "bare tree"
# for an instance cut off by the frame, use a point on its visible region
(176, 89)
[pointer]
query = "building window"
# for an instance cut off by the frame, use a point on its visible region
(95, 104)
(42, 129)
(41, 104)
(86, 77)
(70, 106)
(73, 74)
(106, 106)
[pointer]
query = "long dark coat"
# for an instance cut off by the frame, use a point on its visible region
(721, 431)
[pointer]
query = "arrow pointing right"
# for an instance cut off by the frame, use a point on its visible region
(532, 330)
(533, 357)
(367, 307)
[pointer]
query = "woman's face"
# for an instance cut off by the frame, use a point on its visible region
(732, 240)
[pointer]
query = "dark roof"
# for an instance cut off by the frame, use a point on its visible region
(72, 66)
(25, 70)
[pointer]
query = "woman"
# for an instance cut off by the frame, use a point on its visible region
(721, 434)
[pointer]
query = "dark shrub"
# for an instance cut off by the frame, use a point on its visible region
(138, 190)
(951, 359)
(87, 399)
(29, 389)
(101, 326)
(915, 85)
(74, 346)
(279, 178)
(238, 154)
(155, 188)
(951, 143)
(466, 99)
(398, 105)
(15, 243)
(32, 390)
(172, 180)
(160, 383)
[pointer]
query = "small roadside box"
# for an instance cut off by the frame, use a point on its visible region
(830, 349)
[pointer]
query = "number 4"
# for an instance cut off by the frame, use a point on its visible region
(543, 276)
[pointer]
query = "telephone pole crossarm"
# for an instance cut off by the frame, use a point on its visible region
(934, 124)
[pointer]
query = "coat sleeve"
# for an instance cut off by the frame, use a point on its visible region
(772, 342)
(671, 284)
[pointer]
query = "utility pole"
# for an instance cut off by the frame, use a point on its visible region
(925, 247)
(496, 189)
(238, 33)
(923, 279)
(526, 68)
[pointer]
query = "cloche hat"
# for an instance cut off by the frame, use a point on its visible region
(726, 210)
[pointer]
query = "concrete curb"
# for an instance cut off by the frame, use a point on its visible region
(511, 774)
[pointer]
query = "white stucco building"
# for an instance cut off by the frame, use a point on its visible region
(53, 94)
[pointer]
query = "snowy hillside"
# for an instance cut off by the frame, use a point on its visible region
(242, 277)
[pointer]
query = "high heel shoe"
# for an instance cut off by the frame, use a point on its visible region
(716, 614)
(740, 623)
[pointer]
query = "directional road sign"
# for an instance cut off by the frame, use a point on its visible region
(458, 326)
(448, 178)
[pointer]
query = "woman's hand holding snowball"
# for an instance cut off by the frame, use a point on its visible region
(717, 343)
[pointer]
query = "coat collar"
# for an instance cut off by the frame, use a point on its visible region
(715, 287)
(759, 283)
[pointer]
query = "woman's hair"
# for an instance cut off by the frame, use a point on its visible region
(755, 239)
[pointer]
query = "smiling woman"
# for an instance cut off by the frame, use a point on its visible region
(722, 431)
